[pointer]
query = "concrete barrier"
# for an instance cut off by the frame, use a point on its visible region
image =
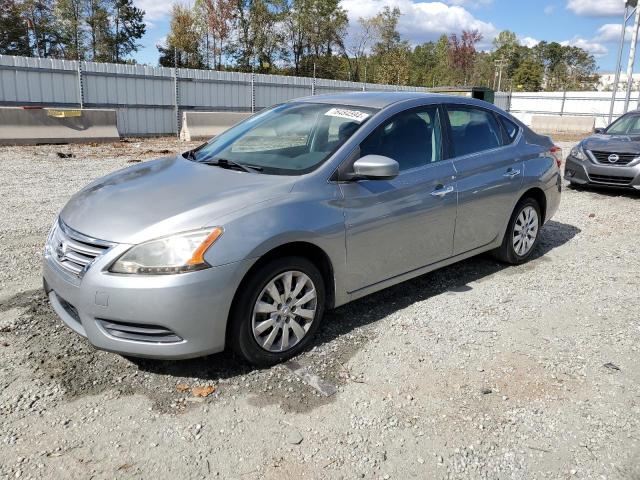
(32, 126)
(562, 124)
(205, 125)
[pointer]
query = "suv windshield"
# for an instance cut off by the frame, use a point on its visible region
(288, 139)
(625, 125)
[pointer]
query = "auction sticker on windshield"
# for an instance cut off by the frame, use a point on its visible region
(355, 115)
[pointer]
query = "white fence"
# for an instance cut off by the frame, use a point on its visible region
(524, 105)
(149, 100)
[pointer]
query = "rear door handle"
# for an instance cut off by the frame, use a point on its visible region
(511, 173)
(441, 192)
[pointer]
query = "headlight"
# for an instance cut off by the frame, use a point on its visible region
(578, 152)
(179, 253)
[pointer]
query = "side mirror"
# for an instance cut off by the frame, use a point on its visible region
(375, 167)
(598, 130)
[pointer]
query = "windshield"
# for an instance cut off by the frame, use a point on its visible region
(625, 125)
(288, 139)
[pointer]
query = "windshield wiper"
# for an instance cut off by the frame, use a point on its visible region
(189, 155)
(231, 165)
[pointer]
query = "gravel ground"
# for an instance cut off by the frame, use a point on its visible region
(477, 370)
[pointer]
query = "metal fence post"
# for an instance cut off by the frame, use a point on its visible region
(313, 83)
(564, 99)
(80, 85)
(176, 100)
(253, 91)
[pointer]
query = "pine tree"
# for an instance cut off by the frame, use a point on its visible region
(100, 34)
(129, 27)
(42, 28)
(14, 34)
(70, 19)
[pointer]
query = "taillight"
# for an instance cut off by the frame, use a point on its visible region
(556, 152)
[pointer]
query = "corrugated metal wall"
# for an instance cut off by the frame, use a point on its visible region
(146, 97)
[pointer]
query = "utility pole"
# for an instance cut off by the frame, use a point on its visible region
(500, 64)
(625, 18)
(632, 58)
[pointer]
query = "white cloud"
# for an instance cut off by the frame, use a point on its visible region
(528, 42)
(549, 9)
(154, 9)
(596, 8)
(470, 3)
(421, 22)
(610, 32)
(591, 46)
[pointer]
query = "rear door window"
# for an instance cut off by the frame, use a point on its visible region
(473, 130)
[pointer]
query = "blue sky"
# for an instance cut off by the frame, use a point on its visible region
(591, 24)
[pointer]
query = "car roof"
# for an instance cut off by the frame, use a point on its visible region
(384, 99)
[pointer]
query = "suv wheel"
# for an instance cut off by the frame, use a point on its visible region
(277, 311)
(522, 233)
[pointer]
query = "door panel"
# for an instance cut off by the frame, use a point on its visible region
(396, 226)
(489, 176)
(487, 185)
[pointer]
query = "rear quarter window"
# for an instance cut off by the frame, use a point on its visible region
(510, 128)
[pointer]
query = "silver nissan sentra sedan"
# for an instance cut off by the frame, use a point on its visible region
(246, 240)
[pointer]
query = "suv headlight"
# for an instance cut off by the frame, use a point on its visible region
(179, 253)
(578, 153)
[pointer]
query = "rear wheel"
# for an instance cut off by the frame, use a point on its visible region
(277, 311)
(522, 233)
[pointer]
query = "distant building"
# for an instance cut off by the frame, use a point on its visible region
(606, 82)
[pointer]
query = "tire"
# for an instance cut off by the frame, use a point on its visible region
(511, 251)
(251, 331)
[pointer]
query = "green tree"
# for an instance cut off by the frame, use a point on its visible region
(129, 27)
(70, 19)
(218, 15)
(100, 36)
(182, 46)
(391, 53)
(528, 76)
(14, 34)
(42, 27)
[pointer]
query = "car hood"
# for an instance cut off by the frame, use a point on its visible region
(613, 143)
(166, 196)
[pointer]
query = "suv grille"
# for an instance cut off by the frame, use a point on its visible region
(623, 158)
(610, 179)
(72, 251)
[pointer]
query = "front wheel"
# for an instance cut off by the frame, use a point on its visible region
(277, 311)
(522, 233)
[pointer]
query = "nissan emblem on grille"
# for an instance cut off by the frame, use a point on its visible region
(613, 158)
(61, 251)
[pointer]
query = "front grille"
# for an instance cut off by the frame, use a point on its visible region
(610, 179)
(139, 332)
(622, 158)
(73, 251)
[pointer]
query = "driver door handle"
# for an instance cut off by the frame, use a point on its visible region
(442, 191)
(511, 173)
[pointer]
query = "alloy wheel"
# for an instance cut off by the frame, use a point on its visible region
(525, 231)
(284, 311)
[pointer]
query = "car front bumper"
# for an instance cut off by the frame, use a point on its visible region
(586, 172)
(162, 316)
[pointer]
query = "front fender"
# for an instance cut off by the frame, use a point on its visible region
(312, 217)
